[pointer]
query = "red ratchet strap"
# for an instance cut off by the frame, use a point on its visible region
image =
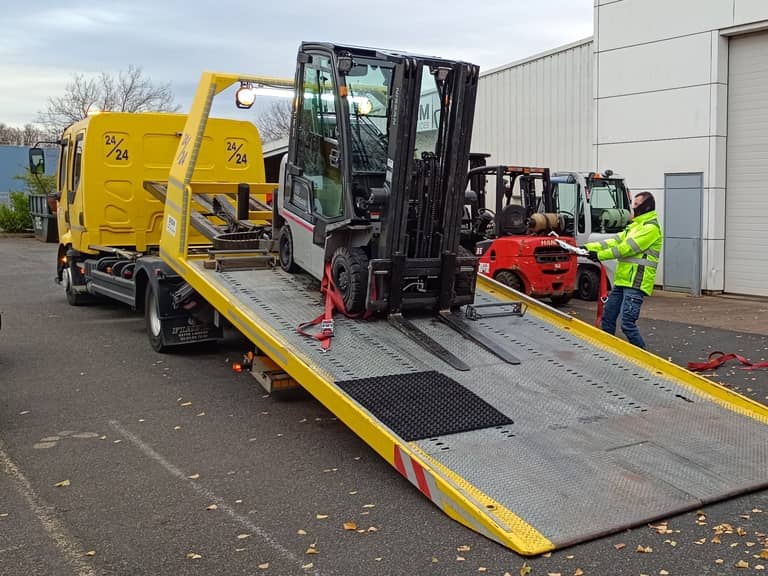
(602, 296)
(717, 359)
(334, 301)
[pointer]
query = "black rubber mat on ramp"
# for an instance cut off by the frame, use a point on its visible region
(423, 404)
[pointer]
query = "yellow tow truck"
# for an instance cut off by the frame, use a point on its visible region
(516, 420)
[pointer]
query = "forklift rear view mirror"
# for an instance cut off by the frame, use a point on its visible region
(37, 161)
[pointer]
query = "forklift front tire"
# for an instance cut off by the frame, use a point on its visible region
(287, 262)
(349, 270)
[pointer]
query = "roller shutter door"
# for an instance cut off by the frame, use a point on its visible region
(746, 200)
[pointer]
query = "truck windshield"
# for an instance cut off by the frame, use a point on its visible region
(368, 90)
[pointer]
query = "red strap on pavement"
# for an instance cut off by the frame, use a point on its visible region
(717, 359)
(602, 296)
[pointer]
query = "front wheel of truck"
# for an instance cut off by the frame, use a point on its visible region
(153, 321)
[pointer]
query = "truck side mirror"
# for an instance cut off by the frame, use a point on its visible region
(37, 161)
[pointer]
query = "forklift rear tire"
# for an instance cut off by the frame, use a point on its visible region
(588, 284)
(349, 270)
(510, 279)
(287, 262)
(152, 318)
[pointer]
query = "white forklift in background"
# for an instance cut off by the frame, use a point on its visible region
(594, 205)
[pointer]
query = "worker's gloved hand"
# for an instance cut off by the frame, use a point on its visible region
(592, 255)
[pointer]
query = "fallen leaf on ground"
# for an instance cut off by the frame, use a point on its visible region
(194, 476)
(619, 546)
(463, 548)
(579, 572)
(62, 484)
(212, 507)
(194, 556)
(307, 566)
(369, 505)
(742, 564)
(301, 532)
(525, 569)
(311, 550)
(350, 526)
(186, 404)
(243, 536)
(460, 559)
(644, 549)
(91, 553)
(264, 566)
(321, 516)
(764, 554)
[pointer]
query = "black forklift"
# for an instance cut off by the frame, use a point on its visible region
(373, 187)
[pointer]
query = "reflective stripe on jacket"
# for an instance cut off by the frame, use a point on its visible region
(637, 250)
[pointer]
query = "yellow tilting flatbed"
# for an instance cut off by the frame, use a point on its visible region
(585, 436)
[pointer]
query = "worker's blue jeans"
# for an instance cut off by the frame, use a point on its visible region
(627, 302)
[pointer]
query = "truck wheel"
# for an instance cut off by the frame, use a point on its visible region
(588, 285)
(286, 250)
(67, 278)
(152, 318)
(561, 300)
(349, 271)
(510, 279)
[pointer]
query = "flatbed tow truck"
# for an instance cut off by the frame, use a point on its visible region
(578, 436)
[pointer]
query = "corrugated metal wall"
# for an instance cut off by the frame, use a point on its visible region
(539, 111)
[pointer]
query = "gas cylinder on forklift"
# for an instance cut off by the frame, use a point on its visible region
(515, 241)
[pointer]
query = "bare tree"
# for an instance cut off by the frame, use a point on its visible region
(129, 91)
(275, 122)
(26, 136)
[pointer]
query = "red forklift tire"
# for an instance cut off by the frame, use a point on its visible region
(287, 262)
(152, 320)
(588, 284)
(561, 300)
(349, 270)
(510, 279)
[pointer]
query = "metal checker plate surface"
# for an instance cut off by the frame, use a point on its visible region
(598, 443)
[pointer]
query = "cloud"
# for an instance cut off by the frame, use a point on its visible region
(175, 40)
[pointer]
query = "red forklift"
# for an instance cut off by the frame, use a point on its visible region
(516, 242)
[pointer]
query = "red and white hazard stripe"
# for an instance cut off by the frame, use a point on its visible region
(425, 482)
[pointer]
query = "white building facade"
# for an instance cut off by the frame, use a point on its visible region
(681, 110)
(539, 111)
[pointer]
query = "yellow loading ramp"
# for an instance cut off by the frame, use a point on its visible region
(586, 436)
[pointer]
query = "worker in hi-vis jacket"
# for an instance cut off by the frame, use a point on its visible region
(637, 250)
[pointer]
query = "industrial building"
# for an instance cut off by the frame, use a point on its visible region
(673, 94)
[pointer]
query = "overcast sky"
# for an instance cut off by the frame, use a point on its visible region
(43, 43)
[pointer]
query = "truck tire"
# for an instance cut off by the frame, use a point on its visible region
(588, 284)
(561, 300)
(510, 279)
(69, 274)
(287, 262)
(349, 271)
(152, 319)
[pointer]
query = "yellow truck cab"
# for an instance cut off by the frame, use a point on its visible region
(110, 223)
(106, 158)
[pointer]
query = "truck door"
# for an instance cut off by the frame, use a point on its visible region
(314, 191)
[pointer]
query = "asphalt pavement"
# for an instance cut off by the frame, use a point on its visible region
(118, 460)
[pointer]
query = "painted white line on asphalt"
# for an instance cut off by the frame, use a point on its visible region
(209, 495)
(54, 527)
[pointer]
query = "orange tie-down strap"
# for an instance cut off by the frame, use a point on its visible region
(602, 296)
(717, 359)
